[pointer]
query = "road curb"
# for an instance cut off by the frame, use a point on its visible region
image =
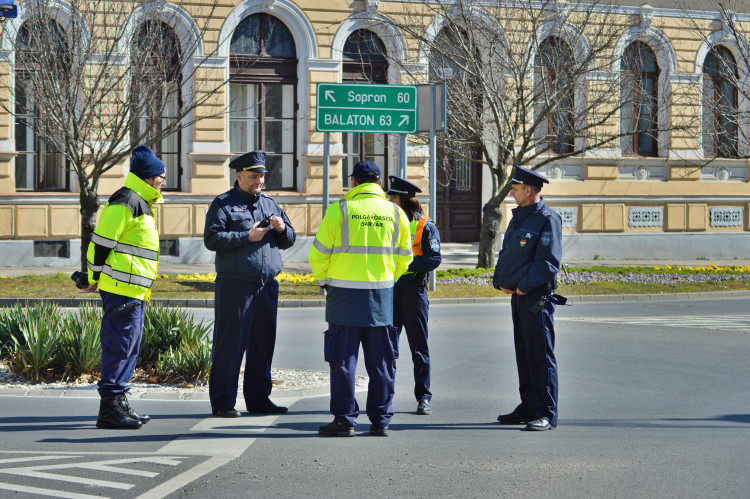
(209, 303)
(135, 394)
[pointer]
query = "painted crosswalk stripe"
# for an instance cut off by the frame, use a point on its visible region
(727, 322)
(45, 492)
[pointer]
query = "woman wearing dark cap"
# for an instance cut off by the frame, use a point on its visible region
(410, 304)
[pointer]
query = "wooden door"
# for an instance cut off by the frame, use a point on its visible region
(459, 201)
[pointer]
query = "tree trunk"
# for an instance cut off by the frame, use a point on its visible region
(89, 208)
(491, 218)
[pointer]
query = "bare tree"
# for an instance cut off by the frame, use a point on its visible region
(531, 83)
(94, 80)
(725, 93)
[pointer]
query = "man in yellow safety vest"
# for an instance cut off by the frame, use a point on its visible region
(123, 258)
(362, 247)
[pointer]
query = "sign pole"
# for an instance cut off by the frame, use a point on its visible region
(402, 156)
(432, 283)
(326, 169)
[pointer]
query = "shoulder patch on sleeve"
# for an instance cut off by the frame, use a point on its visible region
(223, 196)
(435, 245)
(546, 238)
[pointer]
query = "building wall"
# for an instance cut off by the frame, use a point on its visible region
(598, 195)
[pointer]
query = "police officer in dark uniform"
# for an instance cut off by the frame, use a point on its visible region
(410, 303)
(246, 229)
(526, 268)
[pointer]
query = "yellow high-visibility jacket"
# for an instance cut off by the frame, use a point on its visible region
(123, 256)
(362, 247)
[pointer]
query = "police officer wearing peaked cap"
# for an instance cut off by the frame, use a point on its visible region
(410, 303)
(246, 229)
(526, 269)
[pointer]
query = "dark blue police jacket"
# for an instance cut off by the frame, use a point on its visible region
(532, 249)
(227, 223)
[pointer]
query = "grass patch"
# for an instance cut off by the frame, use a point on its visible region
(452, 283)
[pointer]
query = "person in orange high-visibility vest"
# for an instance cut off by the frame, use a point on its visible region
(410, 303)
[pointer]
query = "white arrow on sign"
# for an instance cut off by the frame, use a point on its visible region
(404, 119)
(329, 95)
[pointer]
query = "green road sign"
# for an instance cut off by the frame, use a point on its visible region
(364, 108)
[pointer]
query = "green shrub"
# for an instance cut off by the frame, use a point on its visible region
(80, 346)
(11, 319)
(36, 348)
(192, 357)
(161, 331)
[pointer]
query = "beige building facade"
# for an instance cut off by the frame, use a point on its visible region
(615, 203)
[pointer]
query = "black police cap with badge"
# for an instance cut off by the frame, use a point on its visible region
(401, 187)
(524, 176)
(253, 161)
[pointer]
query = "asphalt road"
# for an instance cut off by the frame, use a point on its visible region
(654, 402)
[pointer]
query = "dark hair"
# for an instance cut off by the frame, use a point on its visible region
(535, 188)
(368, 180)
(410, 204)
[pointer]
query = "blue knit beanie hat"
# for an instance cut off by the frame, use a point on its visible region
(144, 163)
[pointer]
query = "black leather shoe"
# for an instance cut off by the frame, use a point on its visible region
(113, 417)
(123, 401)
(424, 407)
(268, 408)
(380, 431)
(512, 418)
(336, 429)
(230, 413)
(540, 424)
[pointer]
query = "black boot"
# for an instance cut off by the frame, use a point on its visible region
(123, 401)
(112, 416)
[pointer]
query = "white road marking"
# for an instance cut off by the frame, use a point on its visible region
(222, 449)
(45, 492)
(724, 322)
(105, 466)
(227, 440)
(36, 458)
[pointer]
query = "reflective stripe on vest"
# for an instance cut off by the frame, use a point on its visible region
(127, 249)
(127, 278)
(416, 246)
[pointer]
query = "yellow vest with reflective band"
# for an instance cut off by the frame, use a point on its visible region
(363, 241)
(127, 226)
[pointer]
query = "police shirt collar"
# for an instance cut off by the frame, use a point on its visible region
(248, 198)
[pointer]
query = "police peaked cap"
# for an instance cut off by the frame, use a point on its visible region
(253, 161)
(523, 176)
(401, 187)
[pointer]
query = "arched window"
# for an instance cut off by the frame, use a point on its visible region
(720, 113)
(639, 96)
(454, 60)
(364, 62)
(41, 48)
(155, 69)
(263, 65)
(555, 96)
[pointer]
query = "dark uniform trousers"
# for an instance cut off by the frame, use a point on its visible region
(410, 309)
(245, 324)
(380, 347)
(534, 335)
(121, 331)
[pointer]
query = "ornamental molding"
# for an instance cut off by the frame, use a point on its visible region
(727, 216)
(646, 216)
